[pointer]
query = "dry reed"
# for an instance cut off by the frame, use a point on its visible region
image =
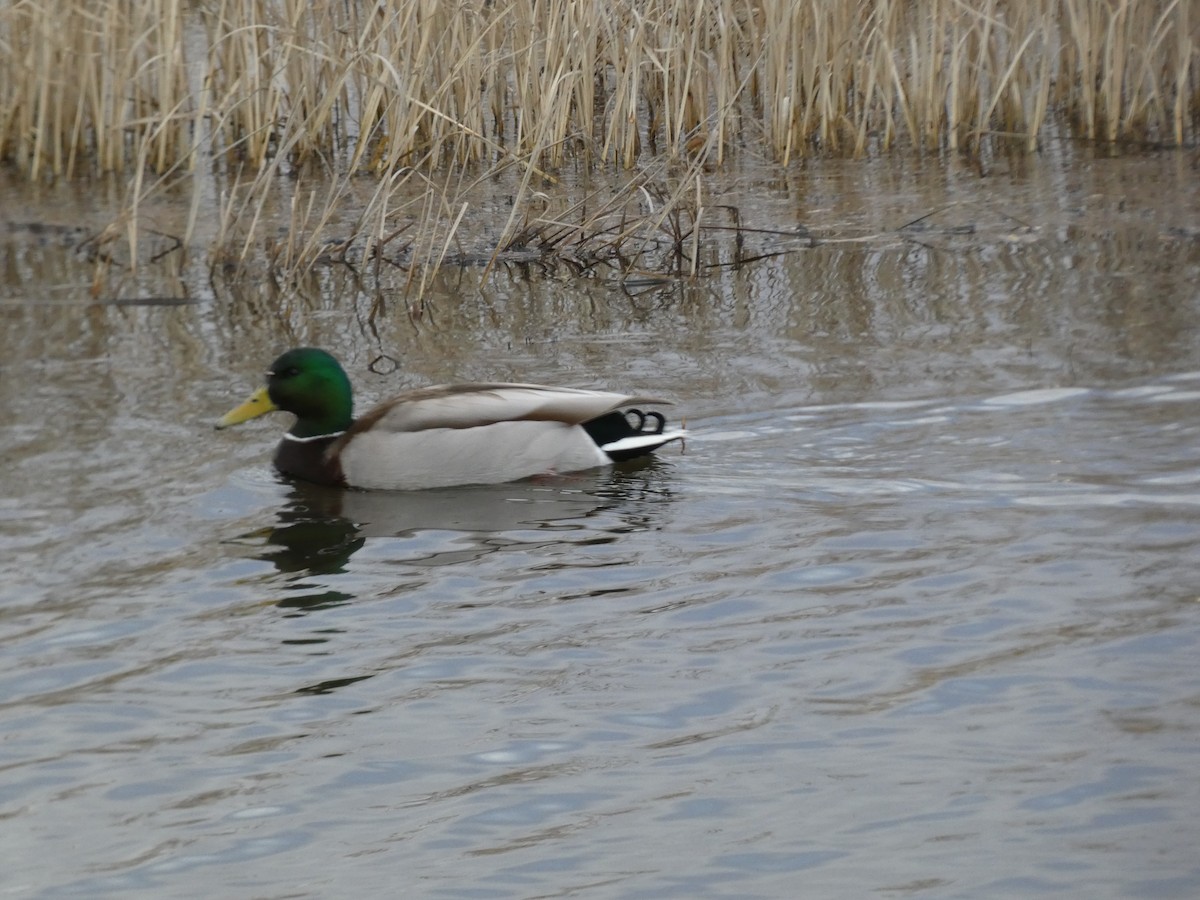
(256, 89)
(380, 85)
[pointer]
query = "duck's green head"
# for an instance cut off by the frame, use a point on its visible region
(307, 382)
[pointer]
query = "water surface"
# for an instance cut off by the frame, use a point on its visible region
(915, 612)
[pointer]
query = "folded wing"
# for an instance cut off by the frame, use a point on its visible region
(473, 405)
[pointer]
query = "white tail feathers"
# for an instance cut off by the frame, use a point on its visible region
(645, 442)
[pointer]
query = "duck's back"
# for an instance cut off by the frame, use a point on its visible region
(475, 434)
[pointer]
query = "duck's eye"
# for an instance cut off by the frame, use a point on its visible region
(290, 372)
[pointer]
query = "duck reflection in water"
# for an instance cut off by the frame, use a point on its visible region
(321, 528)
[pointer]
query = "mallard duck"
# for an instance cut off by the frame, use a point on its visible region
(447, 435)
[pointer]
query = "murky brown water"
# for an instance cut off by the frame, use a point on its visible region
(916, 613)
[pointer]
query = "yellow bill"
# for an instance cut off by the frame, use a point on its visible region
(259, 404)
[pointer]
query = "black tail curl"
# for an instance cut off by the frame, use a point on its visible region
(614, 426)
(633, 416)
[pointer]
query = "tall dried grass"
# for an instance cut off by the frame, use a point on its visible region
(84, 84)
(254, 89)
